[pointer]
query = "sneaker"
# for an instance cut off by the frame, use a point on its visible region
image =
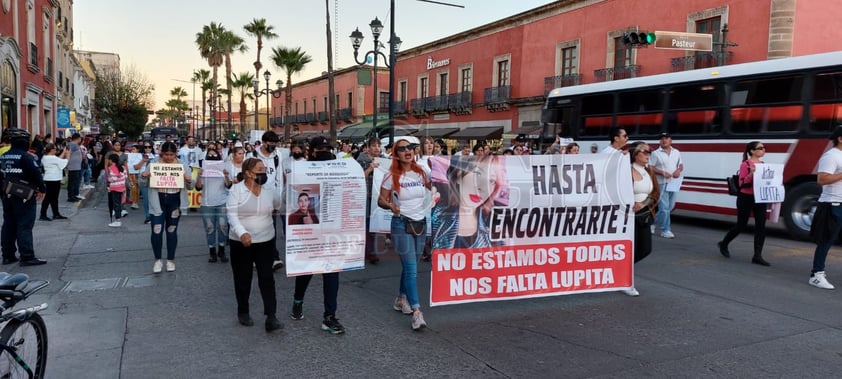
(135, 206)
(652, 229)
(667, 234)
(401, 305)
(277, 265)
(819, 279)
(631, 292)
(80, 197)
(124, 213)
(170, 265)
(158, 266)
(115, 224)
(297, 312)
(418, 322)
(331, 325)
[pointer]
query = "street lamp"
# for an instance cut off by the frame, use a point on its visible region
(275, 93)
(395, 43)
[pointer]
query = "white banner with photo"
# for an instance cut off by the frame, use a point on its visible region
(325, 218)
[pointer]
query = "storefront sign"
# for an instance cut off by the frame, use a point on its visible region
(431, 64)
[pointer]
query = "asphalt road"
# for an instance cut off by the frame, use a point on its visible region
(699, 315)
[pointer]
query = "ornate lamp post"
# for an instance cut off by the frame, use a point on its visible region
(276, 93)
(395, 42)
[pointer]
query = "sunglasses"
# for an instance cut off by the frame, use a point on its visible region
(647, 152)
(147, 147)
(402, 149)
(760, 148)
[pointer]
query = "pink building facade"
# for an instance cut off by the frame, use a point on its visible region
(27, 69)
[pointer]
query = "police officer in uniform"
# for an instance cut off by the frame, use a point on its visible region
(18, 215)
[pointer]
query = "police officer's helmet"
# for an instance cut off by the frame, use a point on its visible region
(14, 134)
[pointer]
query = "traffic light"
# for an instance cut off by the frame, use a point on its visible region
(637, 39)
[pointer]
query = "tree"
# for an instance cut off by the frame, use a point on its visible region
(230, 43)
(208, 42)
(258, 28)
(243, 84)
(122, 99)
(291, 61)
(202, 77)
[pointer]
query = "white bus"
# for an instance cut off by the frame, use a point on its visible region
(789, 104)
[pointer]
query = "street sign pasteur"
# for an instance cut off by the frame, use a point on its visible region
(683, 41)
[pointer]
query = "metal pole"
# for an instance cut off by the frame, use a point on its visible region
(392, 60)
(376, 94)
(268, 100)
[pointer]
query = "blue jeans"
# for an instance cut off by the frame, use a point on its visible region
(16, 233)
(86, 175)
(216, 224)
(74, 178)
(144, 192)
(665, 205)
(820, 255)
(409, 248)
(167, 223)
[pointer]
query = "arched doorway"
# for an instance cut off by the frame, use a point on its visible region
(8, 95)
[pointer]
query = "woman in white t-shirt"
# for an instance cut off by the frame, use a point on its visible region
(405, 191)
(252, 240)
(53, 167)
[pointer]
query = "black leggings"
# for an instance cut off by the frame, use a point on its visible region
(51, 197)
(746, 206)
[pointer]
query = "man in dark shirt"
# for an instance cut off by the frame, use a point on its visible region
(19, 166)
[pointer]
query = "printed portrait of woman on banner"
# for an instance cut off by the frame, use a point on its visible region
(465, 191)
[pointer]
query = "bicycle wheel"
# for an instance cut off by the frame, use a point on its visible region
(29, 340)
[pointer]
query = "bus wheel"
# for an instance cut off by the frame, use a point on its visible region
(798, 209)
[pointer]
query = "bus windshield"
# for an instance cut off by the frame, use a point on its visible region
(160, 133)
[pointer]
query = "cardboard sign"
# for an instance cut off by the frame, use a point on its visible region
(166, 175)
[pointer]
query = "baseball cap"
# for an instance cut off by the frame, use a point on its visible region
(665, 135)
(320, 142)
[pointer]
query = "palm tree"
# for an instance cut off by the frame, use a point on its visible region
(230, 43)
(202, 76)
(243, 84)
(291, 61)
(208, 43)
(258, 28)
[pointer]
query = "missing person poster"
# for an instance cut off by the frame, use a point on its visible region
(325, 228)
(508, 227)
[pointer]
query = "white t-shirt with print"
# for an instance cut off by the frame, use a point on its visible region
(412, 199)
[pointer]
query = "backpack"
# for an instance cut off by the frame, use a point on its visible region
(277, 159)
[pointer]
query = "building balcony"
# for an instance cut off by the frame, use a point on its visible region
(418, 107)
(616, 73)
(322, 117)
(345, 114)
(553, 82)
(437, 103)
(399, 107)
(701, 60)
(460, 103)
(497, 98)
(310, 117)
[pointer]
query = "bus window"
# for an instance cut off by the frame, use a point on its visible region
(828, 87)
(696, 96)
(599, 104)
(695, 122)
(764, 91)
(766, 119)
(824, 117)
(641, 101)
(595, 126)
(640, 125)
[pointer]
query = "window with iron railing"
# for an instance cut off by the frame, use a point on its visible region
(33, 54)
(616, 73)
(499, 94)
(552, 82)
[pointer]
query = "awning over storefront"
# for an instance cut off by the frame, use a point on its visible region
(435, 132)
(530, 131)
(486, 132)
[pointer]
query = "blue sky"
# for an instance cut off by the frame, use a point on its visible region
(157, 37)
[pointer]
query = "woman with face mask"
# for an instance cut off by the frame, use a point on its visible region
(164, 208)
(214, 185)
(252, 240)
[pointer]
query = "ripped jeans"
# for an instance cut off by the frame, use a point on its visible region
(166, 222)
(215, 220)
